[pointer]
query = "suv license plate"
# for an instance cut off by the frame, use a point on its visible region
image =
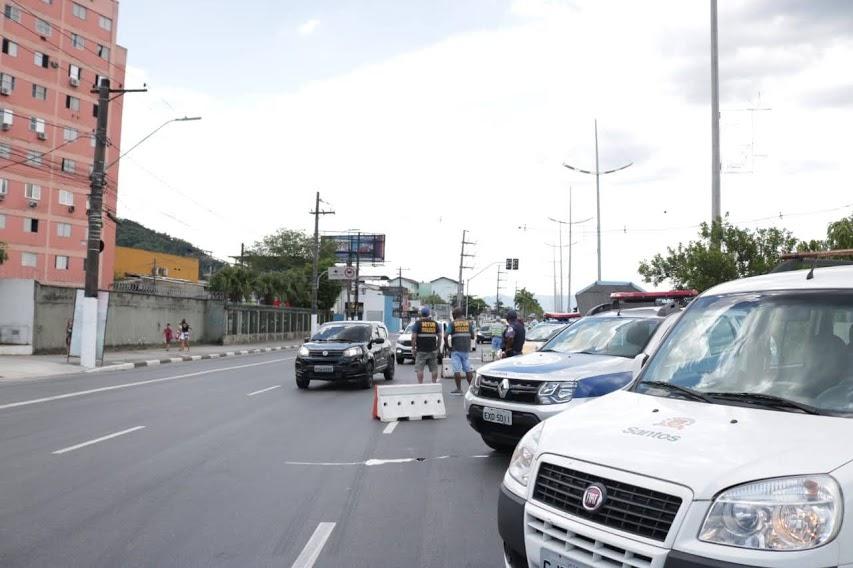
(497, 415)
(324, 368)
(550, 559)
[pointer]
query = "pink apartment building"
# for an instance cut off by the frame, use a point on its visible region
(53, 53)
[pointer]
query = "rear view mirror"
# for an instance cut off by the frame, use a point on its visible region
(379, 340)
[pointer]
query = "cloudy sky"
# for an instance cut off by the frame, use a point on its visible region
(421, 119)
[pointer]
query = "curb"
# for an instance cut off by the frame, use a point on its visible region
(189, 358)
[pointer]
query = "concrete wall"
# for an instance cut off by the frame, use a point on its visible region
(54, 305)
(17, 316)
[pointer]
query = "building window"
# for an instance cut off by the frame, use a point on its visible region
(78, 41)
(78, 10)
(99, 80)
(42, 27)
(4, 186)
(41, 59)
(61, 262)
(7, 83)
(74, 72)
(36, 124)
(69, 134)
(63, 230)
(13, 13)
(39, 92)
(103, 51)
(31, 225)
(95, 110)
(72, 102)
(29, 259)
(69, 165)
(66, 197)
(2, 221)
(105, 23)
(34, 158)
(10, 48)
(5, 150)
(32, 191)
(48, 2)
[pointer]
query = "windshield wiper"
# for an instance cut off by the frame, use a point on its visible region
(690, 393)
(768, 400)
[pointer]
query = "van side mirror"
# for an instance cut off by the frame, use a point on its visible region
(307, 339)
(379, 340)
(639, 363)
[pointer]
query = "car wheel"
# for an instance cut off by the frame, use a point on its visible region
(502, 447)
(367, 382)
(400, 360)
(302, 382)
(389, 371)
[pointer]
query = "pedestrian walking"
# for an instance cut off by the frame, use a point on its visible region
(184, 335)
(459, 336)
(514, 334)
(425, 344)
(168, 335)
(69, 331)
(497, 338)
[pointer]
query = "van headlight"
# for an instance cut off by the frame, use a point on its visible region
(352, 352)
(787, 513)
(303, 352)
(474, 388)
(522, 458)
(557, 392)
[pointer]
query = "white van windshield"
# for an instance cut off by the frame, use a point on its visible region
(615, 336)
(786, 351)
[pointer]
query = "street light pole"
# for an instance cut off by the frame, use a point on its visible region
(316, 261)
(597, 173)
(715, 120)
(149, 135)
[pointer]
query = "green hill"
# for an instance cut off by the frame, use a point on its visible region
(132, 234)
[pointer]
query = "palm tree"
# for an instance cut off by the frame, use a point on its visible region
(235, 281)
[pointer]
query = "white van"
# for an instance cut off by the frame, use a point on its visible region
(732, 447)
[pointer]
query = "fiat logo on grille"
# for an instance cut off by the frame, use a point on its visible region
(503, 388)
(325, 353)
(594, 497)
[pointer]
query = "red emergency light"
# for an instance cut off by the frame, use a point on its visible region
(652, 296)
(559, 316)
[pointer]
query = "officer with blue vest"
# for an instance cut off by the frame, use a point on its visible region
(425, 343)
(459, 336)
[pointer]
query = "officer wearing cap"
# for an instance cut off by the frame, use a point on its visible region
(425, 343)
(513, 338)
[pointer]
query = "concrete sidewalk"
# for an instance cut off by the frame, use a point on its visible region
(17, 367)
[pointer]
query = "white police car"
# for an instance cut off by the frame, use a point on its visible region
(589, 359)
(733, 447)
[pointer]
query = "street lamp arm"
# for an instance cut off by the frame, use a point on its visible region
(569, 222)
(618, 169)
(152, 133)
(571, 167)
(484, 269)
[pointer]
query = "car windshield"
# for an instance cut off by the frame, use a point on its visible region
(542, 332)
(794, 346)
(343, 332)
(410, 327)
(619, 336)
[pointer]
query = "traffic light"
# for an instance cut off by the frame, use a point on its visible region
(509, 264)
(515, 264)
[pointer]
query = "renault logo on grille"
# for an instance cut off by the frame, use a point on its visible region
(325, 353)
(503, 388)
(594, 497)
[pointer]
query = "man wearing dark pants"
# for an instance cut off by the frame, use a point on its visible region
(425, 336)
(459, 336)
(513, 339)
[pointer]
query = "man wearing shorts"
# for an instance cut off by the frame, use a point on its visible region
(425, 337)
(459, 336)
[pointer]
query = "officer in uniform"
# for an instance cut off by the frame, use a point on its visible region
(425, 338)
(459, 336)
(513, 338)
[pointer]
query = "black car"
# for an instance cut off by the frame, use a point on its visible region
(345, 350)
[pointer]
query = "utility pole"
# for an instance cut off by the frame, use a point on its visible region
(597, 173)
(498, 292)
(315, 280)
(462, 256)
(715, 120)
(89, 327)
(570, 222)
(357, 273)
(554, 267)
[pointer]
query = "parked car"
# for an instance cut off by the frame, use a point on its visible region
(488, 330)
(730, 447)
(588, 359)
(346, 350)
(538, 335)
(403, 349)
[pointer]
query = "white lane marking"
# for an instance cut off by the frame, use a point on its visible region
(390, 428)
(137, 384)
(264, 390)
(314, 546)
(375, 462)
(96, 440)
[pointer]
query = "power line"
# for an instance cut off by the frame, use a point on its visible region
(43, 154)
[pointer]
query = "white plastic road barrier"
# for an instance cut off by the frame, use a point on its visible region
(408, 402)
(446, 369)
(487, 356)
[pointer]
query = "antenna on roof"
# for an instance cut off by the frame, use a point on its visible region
(810, 275)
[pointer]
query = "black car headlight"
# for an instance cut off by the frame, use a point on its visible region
(557, 392)
(353, 352)
(303, 352)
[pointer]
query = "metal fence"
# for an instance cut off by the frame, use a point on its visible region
(246, 323)
(166, 289)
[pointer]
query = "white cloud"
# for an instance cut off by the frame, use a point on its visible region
(309, 27)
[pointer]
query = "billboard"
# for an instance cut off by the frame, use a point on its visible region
(369, 248)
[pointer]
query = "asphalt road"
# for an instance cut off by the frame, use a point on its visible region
(226, 463)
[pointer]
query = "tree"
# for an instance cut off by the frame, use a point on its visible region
(527, 303)
(476, 306)
(432, 299)
(4, 256)
(722, 253)
(280, 251)
(236, 282)
(839, 235)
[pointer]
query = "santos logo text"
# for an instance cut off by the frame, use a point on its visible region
(651, 434)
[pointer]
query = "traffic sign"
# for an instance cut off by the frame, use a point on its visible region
(341, 273)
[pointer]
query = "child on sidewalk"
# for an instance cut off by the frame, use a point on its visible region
(168, 335)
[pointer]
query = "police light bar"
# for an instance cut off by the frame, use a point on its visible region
(652, 296)
(561, 316)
